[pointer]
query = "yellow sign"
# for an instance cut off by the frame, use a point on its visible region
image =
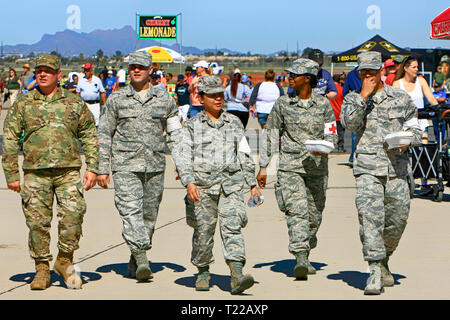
(389, 47)
(367, 46)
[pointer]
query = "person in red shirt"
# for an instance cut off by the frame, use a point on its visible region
(398, 59)
(336, 103)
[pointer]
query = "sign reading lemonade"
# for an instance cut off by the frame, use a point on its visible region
(157, 27)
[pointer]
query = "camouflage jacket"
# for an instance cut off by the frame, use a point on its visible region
(296, 123)
(131, 130)
(214, 155)
(52, 128)
(389, 110)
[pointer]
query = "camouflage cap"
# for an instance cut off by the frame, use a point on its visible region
(369, 60)
(210, 84)
(48, 60)
(142, 58)
(399, 58)
(302, 66)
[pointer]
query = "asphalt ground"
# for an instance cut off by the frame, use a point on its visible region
(420, 264)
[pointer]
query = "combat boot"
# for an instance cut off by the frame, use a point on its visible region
(132, 267)
(301, 268)
(203, 277)
(143, 271)
(41, 279)
(374, 283)
(63, 267)
(386, 275)
(311, 269)
(239, 282)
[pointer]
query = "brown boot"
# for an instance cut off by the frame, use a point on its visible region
(64, 267)
(41, 279)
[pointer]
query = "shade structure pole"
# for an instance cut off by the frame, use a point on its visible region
(181, 41)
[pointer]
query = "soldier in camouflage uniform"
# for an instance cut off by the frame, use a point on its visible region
(131, 136)
(302, 176)
(213, 162)
(53, 121)
(382, 193)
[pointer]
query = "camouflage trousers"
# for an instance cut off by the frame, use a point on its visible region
(38, 192)
(383, 209)
(137, 197)
(302, 199)
(230, 211)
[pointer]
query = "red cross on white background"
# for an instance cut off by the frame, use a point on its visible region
(332, 128)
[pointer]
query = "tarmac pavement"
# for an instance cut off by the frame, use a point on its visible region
(420, 264)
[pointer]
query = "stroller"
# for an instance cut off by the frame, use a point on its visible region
(431, 161)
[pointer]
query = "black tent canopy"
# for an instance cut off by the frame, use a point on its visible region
(377, 43)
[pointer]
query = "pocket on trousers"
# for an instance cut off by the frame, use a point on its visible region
(242, 214)
(279, 197)
(190, 212)
(25, 194)
(80, 189)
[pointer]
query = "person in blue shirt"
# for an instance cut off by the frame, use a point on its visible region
(110, 83)
(352, 83)
(441, 97)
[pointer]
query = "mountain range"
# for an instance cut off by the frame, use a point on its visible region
(71, 43)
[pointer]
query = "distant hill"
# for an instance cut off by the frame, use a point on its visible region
(71, 43)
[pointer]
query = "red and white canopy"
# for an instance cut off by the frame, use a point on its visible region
(440, 26)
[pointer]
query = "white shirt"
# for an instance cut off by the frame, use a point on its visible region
(121, 74)
(90, 90)
(268, 93)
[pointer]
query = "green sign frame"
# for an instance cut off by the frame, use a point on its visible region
(157, 27)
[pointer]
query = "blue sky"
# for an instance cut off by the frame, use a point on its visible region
(262, 26)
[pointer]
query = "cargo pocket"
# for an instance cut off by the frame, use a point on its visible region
(279, 196)
(190, 212)
(26, 196)
(241, 213)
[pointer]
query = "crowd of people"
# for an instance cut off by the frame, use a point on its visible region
(124, 131)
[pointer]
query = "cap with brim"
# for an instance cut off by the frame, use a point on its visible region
(142, 58)
(304, 66)
(26, 65)
(369, 60)
(180, 77)
(389, 63)
(399, 58)
(48, 60)
(210, 85)
(202, 63)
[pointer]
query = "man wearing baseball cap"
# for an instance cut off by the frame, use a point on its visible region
(382, 191)
(26, 76)
(201, 69)
(91, 90)
(132, 146)
(302, 176)
(54, 121)
(325, 84)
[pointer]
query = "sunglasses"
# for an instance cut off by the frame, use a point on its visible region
(293, 75)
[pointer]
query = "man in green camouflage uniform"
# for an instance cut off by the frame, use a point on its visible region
(382, 193)
(131, 136)
(302, 176)
(213, 162)
(53, 121)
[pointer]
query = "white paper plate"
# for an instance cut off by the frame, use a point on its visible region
(319, 146)
(398, 139)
